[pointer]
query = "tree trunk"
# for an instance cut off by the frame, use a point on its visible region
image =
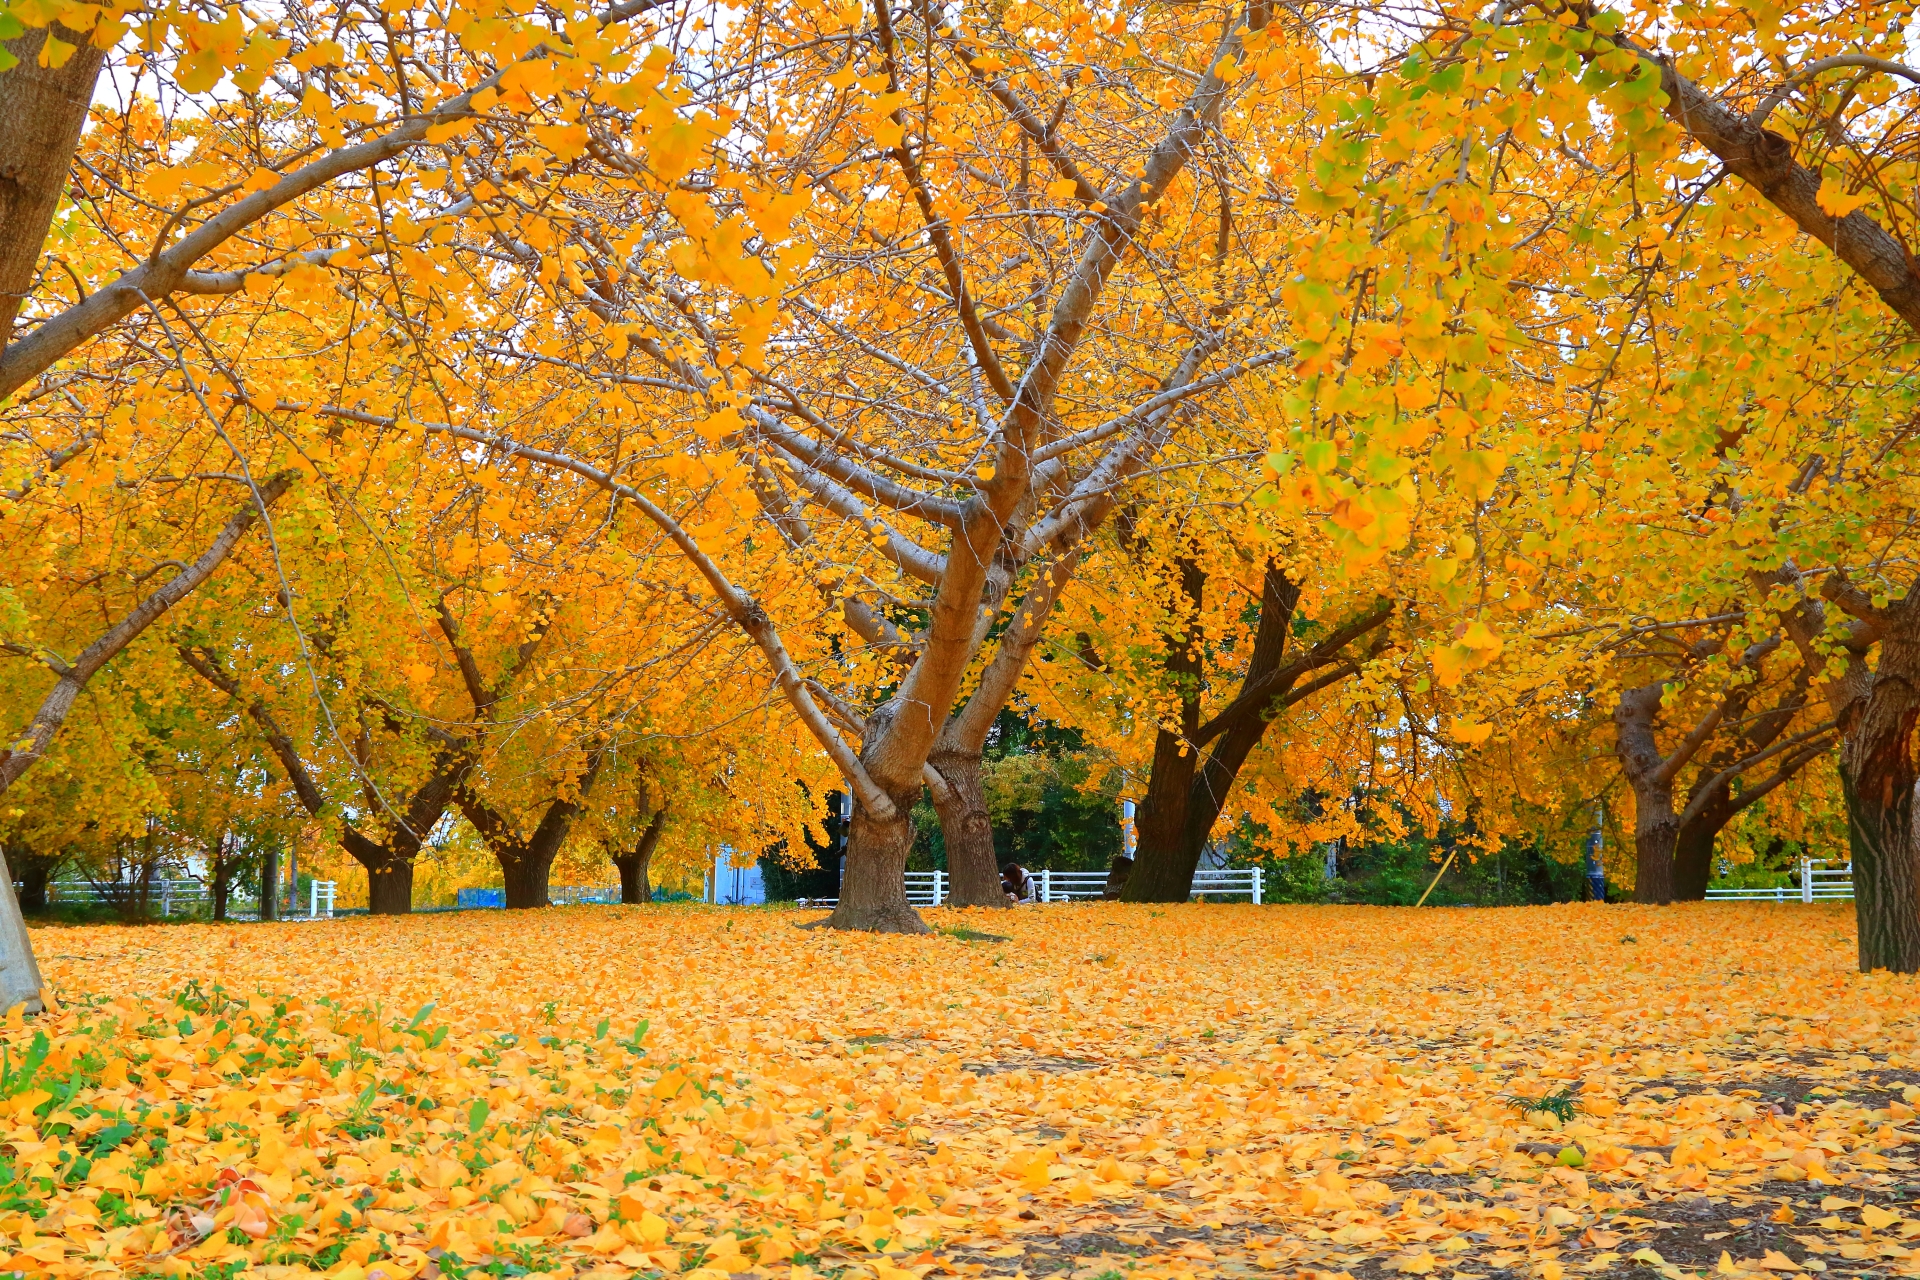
(525, 864)
(35, 874)
(1163, 861)
(873, 886)
(389, 875)
(1161, 872)
(636, 888)
(1655, 829)
(390, 888)
(270, 883)
(19, 974)
(526, 880)
(635, 891)
(42, 110)
(1655, 824)
(222, 881)
(1694, 844)
(1877, 775)
(973, 868)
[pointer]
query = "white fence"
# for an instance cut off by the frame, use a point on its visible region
(185, 897)
(1818, 883)
(930, 888)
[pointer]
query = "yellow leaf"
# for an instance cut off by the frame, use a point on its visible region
(55, 52)
(727, 421)
(1839, 202)
(1877, 1218)
(1062, 189)
(449, 129)
(1466, 731)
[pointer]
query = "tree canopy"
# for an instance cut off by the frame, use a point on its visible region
(564, 431)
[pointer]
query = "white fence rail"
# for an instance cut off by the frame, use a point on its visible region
(1819, 882)
(931, 888)
(184, 897)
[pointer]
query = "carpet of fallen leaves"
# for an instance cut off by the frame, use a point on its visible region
(1104, 1091)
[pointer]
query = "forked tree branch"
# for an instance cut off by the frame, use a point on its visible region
(19, 756)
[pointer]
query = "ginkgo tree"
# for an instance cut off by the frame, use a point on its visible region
(926, 340)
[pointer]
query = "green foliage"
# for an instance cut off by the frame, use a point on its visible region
(1054, 804)
(1562, 1105)
(1395, 872)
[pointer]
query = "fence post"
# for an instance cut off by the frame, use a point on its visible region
(166, 898)
(1256, 886)
(1806, 880)
(313, 898)
(1046, 884)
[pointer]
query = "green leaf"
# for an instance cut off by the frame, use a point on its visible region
(477, 1115)
(1642, 87)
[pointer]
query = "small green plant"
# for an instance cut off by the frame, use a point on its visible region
(1561, 1106)
(16, 1078)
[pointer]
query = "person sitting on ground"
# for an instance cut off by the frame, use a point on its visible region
(1017, 883)
(1117, 877)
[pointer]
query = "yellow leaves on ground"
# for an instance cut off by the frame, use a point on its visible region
(1302, 1090)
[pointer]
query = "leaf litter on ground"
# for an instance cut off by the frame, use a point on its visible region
(1195, 1091)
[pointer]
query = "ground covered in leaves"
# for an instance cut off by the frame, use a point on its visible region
(1109, 1091)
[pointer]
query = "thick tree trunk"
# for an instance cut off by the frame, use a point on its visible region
(526, 880)
(389, 875)
(1877, 775)
(873, 886)
(35, 875)
(973, 868)
(19, 973)
(1164, 861)
(635, 890)
(1655, 829)
(525, 864)
(390, 888)
(1655, 824)
(1161, 870)
(42, 110)
(222, 882)
(1694, 844)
